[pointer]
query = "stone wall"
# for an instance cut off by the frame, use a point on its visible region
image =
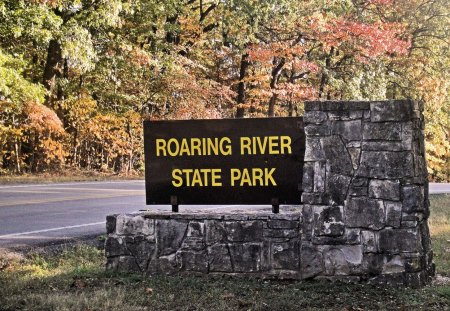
(365, 193)
(259, 243)
(364, 213)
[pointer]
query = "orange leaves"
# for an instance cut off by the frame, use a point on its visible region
(42, 119)
(264, 53)
(370, 40)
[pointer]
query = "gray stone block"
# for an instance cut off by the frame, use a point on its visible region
(329, 222)
(382, 131)
(193, 243)
(399, 240)
(285, 255)
(393, 264)
(342, 260)
(356, 114)
(219, 259)
(398, 110)
(319, 176)
(317, 130)
(382, 146)
(244, 231)
(114, 246)
(385, 164)
(355, 155)
(246, 257)
(393, 214)
(315, 117)
(308, 177)
(315, 198)
(193, 261)
(337, 155)
(337, 188)
(384, 189)
(413, 198)
(348, 130)
(169, 235)
(281, 233)
(357, 191)
(141, 248)
(312, 105)
(352, 236)
(311, 261)
(369, 241)
(134, 224)
(196, 229)
(372, 263)
(110, 224)
(360, 182)
(362, 212)
(313, 150)
(283, 224)
(338, 115)
(215, 232)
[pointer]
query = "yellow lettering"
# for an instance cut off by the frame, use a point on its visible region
(262, 146)
(196, 179)
(160, 146)
(245, 178)
(235, 175)
(245, 144)
(285, 143)
(225, 150)
(184, 147)
(195, 146)
(170, 143)
(213, 146)
(257, 175)
(268, 176)
(188, 172)
(273, 144)
(215, 177)
(179, 181)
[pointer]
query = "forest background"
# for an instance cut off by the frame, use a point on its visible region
(77, 77)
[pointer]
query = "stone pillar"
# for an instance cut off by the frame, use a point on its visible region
(365, 193)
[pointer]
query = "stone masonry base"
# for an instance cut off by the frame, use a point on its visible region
(256, 244)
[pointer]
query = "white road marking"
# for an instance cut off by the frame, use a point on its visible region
(52, 229)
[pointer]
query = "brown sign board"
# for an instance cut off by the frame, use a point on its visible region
(228, 161)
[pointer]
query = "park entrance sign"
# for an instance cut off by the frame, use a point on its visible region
(364, 197)
(231, 161)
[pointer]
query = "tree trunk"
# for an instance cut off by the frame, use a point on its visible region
(52, 68)
(324, 78)
(240, 100)
(16, 148)
(276, 71)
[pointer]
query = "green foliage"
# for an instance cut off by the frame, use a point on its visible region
(14, 87)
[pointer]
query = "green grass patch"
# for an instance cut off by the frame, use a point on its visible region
(75, 279)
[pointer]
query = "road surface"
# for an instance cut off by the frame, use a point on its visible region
(31, 215)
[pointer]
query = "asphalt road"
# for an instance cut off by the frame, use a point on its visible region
(31, 215)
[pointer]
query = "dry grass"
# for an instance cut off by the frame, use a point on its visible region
(66, 176)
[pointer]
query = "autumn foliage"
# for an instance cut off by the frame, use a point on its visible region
(78, 77)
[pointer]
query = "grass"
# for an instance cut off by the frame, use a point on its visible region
(75, 279)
